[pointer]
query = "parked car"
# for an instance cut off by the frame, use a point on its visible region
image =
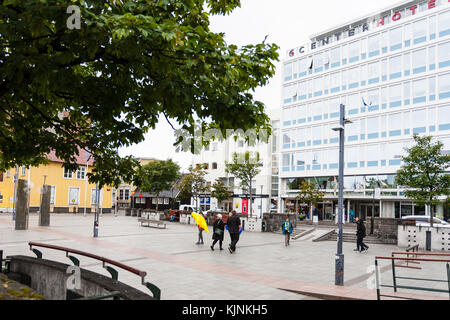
(424, 221)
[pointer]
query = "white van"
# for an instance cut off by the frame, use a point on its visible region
(424, 221)
(189, 208)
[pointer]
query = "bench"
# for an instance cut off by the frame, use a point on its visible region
(159, 224)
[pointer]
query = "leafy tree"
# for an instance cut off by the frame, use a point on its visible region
(220, 191)
(424, 172)
(157, 176)
(103, 86)
(245, 167)
(309, 193)
(193, 184)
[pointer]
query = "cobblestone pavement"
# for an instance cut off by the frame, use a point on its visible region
(186, 271)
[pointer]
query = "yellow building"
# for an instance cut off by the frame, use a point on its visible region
(70, 191)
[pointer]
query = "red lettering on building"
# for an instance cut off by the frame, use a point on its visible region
(432, 4)
(413, 9)
(397, 16)
(381, 21)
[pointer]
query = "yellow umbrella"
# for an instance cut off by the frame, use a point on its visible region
(200, 220)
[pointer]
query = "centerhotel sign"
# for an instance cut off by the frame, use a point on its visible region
(369, 24)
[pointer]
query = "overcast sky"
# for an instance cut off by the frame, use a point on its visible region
(288, 23)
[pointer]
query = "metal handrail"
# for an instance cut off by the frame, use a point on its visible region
(411, 260)
(154, 289)
(140, 273)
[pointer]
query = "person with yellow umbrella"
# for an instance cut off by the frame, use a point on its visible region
(201, 224)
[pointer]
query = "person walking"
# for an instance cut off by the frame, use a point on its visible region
(200, 233)
(234, 225)
(352, 216)
(360, 234)
(218, 232)
(287, 229)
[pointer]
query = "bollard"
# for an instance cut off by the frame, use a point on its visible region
(428, 240)
(1, 261)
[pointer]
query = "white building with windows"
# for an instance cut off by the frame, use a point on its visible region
(265, 186)
(391, 70)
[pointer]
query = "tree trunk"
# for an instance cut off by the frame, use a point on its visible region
(431, 214)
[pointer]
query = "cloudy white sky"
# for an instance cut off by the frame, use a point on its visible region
(288, 23)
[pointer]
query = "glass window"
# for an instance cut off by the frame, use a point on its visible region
(354, 51)
(374, 72)
(420, 31)
(407, 92)
(317, 135)
(444, 86)
(444, 24)
(384, 66)
(373, 155)
(432, 88)
(333, 158)
(353, 104)
(419, 91)
(373, 128)
(317, 111)
(395, 67)
(395, 38)
(419, 121)
(374, 45)
(444, 55)
(444, 118)
(395, 96)
(68, 174)
(432, 57)
(335, 57)
(81, 173)
(74, 195)
(335, 82)
(52, 194)
(318, 86)
(373, 100)
(351, 131)
(394, 153)
(407, 35)
(318, 62)
(302, 68)
(407, 123)
(395, 124)
(384, 41)
(127, 194)
(288, 72)
(335, 108)
(419, 61)
(407, 64)
(353, 78)
(286, 160)
(94, 196)
(432, 23)
(351, 157)
(344, 79)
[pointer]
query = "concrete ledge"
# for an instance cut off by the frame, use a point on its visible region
(324, 236)
(49, 278)
(304, 233)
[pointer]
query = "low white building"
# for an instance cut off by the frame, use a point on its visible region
(265, 185)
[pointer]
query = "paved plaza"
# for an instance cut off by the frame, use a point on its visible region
(261, 267)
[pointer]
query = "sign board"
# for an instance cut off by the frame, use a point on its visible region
(315, 219)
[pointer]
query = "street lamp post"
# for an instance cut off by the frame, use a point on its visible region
(96, 215)
(339, 259)
(260, 209)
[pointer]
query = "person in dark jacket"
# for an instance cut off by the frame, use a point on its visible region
(287, 229)
(360, 234)
(234, 225)
(218, 232)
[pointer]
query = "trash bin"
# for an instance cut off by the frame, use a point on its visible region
(263, 226)
(127, 211)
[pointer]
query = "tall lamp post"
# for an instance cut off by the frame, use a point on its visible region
(339, 259)
(260, 209)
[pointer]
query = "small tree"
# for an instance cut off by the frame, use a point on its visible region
(423, 172)
(157, 176)
(309, 194)
(245, 168)
(193, 184)
(220, 191)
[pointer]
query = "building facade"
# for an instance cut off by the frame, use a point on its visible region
(264, 190)
(391, 70)
(70, 191)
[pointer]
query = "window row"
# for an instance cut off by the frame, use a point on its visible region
(391, 40)
(414, 63)
(365, 156)
(390, 97)
(399, 124)
(80, 173)
(74, 196)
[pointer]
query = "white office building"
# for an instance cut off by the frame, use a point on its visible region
(391, 70)
(264, 187)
